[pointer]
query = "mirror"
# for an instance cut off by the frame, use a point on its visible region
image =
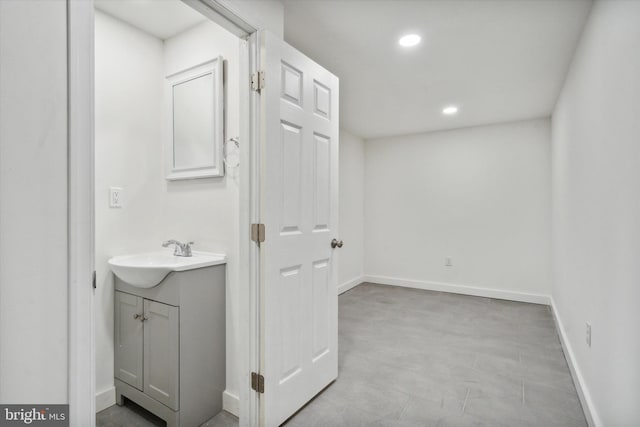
(196, 122)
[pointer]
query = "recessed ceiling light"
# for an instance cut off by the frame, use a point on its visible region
(409, 40)
(452, 109)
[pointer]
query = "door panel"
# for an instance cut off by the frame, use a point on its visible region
(161, 352)
(291, 84)
(290, 295)
(299, 192)
(319, 304)
(128, 339)
(322, 182)
(321, 100)
(291, 147)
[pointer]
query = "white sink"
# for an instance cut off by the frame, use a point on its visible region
(148, 269)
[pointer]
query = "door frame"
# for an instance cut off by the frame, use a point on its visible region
(80, 217)
(81, 195)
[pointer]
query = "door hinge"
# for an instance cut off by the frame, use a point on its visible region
(93, 280)
(257, 81)
(257, 233)
(257, 382)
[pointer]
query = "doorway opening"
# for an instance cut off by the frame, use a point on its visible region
(289, 107)
(146, 124)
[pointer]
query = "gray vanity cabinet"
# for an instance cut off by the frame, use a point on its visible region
(147, 347)
(161, 352)
(128, 339)
(170, 345)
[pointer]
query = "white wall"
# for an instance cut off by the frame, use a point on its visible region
(480, 196)
(128, 149)
(262, 14)
(207, 211)
(351, 216)
(33, 193)
(130, 118)
(596, 211)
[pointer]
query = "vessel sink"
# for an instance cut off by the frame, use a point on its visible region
(147, 270)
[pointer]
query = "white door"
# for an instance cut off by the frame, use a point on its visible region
(299, 207)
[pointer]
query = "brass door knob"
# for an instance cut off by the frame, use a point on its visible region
(336, 243)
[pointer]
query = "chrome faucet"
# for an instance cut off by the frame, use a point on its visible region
(181, 249)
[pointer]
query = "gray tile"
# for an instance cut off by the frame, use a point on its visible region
(356, 391)
(325, 413)
(428, 412)
(498, 365)
(492, 383)
(129, 415)
(466, 420)
(549, 373)
(419, 358)
(489, 405)
(389, 376)
(223, 419)
(553, 406)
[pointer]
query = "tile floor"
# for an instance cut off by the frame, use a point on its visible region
(420, 358)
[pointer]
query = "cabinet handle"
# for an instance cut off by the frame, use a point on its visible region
(139, 316)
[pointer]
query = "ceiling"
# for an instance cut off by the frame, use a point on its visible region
(160, 18)
(498, 60)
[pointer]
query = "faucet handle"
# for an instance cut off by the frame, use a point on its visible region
(181, 249)
(186, 249)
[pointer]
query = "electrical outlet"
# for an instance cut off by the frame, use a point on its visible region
(588, 334)
(115, 197)
(447, 262)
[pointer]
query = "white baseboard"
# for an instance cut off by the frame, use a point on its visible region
(350, 284)
(581, 387)
(461, 289)
(231, 403)
(105, 399)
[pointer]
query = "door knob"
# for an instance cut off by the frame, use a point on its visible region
(336, 243)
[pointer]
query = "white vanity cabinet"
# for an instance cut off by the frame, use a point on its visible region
(170, 345)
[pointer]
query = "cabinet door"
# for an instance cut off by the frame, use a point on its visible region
(161, 352)
(128, 339)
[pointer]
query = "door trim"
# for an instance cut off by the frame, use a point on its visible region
(80, 173)
(250, 335)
